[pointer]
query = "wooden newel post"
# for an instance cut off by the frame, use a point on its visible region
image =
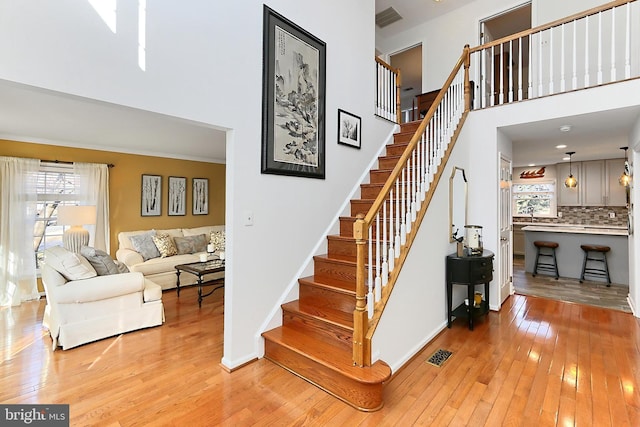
(467, 85)
(360, 316)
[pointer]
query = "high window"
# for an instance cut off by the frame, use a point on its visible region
(56, 186)
(537, 199)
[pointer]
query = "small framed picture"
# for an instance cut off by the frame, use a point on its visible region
(349, 129)
(151, 195)
(177, 201)
(200, 196)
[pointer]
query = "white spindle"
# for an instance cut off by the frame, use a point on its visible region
(530, 83)
(551, 88)
(520, 69)
(562, 59)
(385, 263)
(540, 78)
(510, 70)
(398, 240)
(407, 198)
(492, 79)
(403, 225)
(627, 45)
(378, 281)
(574, 78)
(599, 75)
(392, 256)
(586, 51)
(501, 96)
(370, 281)
(613, 44)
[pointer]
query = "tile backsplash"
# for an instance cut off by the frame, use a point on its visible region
(588, 215)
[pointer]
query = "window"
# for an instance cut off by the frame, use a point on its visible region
(538, 199)
(56, 186)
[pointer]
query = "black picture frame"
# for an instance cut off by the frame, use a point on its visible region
(293, 99)
(349, 129)
(177, 196)
(200, 196)
(151, 195)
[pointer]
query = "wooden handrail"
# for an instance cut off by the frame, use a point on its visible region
(363, 326)
(553, 24)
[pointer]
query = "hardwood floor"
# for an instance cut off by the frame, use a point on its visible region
(569, 290)
(536, 362)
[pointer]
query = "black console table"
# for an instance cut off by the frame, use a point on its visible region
(469, 271)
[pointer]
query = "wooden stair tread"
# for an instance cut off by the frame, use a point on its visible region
(325, 314)
(335, 285)
(332, 356)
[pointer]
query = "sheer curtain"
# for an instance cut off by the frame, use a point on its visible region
(18, 207)
(93, 189)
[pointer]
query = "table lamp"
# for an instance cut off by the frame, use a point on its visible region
(76, 216)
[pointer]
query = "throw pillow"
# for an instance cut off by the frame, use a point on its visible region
(218, 240)
(143, 244)
(191, 244)
(165, 245)
(71, 265)
(99, 260)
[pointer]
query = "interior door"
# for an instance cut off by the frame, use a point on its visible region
(505, 264)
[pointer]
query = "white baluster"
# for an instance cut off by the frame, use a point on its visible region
(574, 79)
(407, 199)
(510, 70)
(562, 59)
(501, 96)
(551, 61)
(540, 78)
(370, 297)
(586, 51)
(520, 69)
(392, 257)
(414, 186)
(398, 227)
(530, 85)
(613, 44)
(403, 225)
(378, 281)
(493, 79)
(385, 263)
(627, 45)
(599, 75)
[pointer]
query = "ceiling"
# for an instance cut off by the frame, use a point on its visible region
(42, 116)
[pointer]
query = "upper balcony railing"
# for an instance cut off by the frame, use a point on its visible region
(595, 47)
(388, 80)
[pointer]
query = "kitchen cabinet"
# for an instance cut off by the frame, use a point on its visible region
(518, 239)
(597, 183)
(568, 196)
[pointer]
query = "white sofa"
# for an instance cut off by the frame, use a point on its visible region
(161, 269)
(86, 310)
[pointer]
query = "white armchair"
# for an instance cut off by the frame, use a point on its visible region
(89, 309)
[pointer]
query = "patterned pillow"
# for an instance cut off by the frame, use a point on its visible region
(191, 244)
(218, 240)
(143, 244)
(99, 260)
(165, 245)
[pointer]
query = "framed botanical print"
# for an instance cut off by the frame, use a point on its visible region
(200, 196)
(151, 195)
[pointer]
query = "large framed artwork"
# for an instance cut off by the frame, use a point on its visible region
(151, 195)
(177, 200)
(200, 196)
(293, 99)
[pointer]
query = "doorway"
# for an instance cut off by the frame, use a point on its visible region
(505, 61)
(409, 61)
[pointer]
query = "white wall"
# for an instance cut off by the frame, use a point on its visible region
(204, 63)
(634, 243)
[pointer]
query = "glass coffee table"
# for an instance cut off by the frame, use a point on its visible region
(200, 269)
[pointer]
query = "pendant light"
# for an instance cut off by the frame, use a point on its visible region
(571, 181)
(625, 178)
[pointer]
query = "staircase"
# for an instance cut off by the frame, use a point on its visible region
(315, 340)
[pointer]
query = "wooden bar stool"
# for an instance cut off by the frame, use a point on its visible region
(553, 267)
(600, 272)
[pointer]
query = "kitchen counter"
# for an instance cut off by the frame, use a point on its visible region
(570, 256)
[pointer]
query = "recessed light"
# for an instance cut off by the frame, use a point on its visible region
(566, 159)
(565, 128)
(531, 164)
(561, 146)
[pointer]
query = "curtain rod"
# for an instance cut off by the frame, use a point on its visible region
(110, 165)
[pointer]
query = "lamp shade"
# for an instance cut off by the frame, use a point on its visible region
(76, 215)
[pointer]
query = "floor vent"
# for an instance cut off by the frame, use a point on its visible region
(439, 357)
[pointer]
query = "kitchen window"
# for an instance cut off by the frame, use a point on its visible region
(536, 199)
